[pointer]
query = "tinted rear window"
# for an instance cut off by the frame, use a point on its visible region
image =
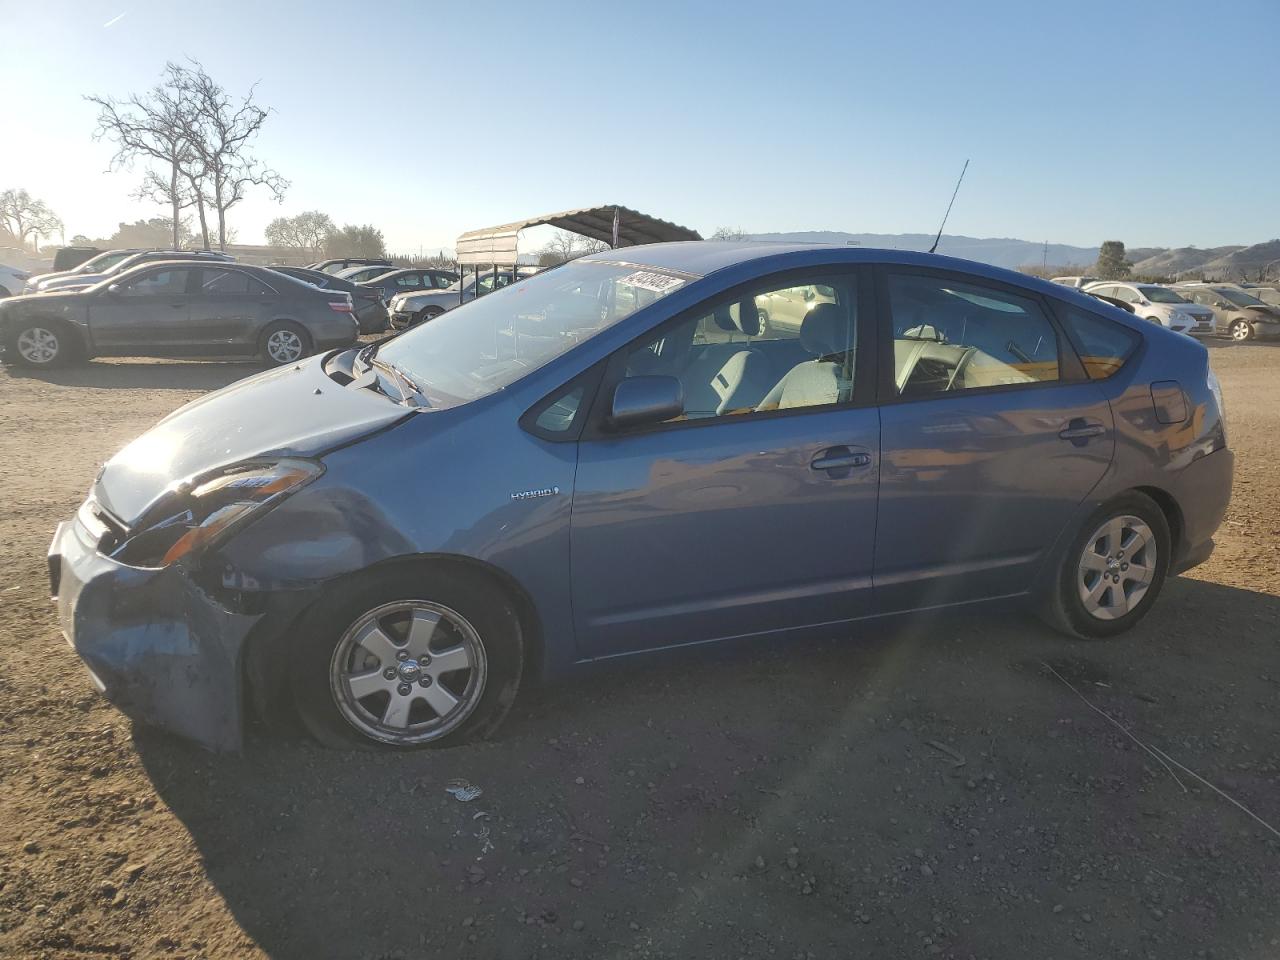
(1103, 345)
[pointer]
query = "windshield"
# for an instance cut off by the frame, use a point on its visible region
(100, 262)
(1160, 295)
(1238, 297)
(489, 343)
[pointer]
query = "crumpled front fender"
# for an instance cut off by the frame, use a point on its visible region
(161, 648)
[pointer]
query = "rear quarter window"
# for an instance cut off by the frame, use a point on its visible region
(1103, 345)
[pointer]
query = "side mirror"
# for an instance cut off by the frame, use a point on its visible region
(641, 400)
(1221, 304)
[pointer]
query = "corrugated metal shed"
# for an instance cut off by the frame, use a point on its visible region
(497, 245)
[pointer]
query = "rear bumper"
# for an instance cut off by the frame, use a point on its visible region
(159, 647)
(373, 318)
(1203, 492)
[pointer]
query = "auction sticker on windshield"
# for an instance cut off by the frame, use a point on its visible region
(647, 280)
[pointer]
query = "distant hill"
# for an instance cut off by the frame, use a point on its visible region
(1001, 252)
(1214, 263)
(1241, 263)
(1162, 262)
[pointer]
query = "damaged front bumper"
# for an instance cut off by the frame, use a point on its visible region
(158, 645)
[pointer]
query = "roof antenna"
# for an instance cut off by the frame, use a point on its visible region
(948, 213)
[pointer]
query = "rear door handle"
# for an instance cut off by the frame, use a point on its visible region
(1081, 430)
(841, 461)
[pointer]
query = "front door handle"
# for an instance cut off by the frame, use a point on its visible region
(841, 461)
(1079, 431)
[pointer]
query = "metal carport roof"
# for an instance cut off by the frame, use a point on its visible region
(497, 245)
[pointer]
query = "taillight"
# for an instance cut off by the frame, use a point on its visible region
(340, 306)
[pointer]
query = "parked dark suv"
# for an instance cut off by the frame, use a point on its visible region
(178, 308)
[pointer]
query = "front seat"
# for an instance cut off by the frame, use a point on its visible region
(716, 386)
(822, 380)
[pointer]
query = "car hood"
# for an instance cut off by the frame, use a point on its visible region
(1268, 312)
(289, 411)
(68, 281)
(39, 277)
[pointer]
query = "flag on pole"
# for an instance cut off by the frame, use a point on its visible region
(615, 228)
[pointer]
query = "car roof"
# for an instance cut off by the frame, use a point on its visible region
(701, 258)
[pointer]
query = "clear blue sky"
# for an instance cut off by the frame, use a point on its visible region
(1152, 122)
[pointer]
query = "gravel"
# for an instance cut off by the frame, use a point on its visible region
(704, 768)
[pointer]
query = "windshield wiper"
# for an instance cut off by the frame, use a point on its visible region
(409, 390)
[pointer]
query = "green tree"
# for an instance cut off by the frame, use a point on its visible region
(1111, 263)
(308, 231)
(356, 241)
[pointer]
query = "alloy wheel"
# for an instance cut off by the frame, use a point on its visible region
(1240, 330)
(38, 345)
(408, 672)
(1117, 567)
(284, 346)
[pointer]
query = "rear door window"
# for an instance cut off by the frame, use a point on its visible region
(1103, 345)
(950, 336)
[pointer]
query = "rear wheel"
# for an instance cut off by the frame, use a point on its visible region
(416, 658)
(284, 342)
(41, 344)
(1112, 572)
(1241, 330)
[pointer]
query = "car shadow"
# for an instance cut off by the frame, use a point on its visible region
(145, 374)
(688, 804)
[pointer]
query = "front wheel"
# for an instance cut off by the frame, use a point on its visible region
(429, 313)
(40, 344)
(1241, 330)
(284, 342)
(1113, 570)
(420, 657)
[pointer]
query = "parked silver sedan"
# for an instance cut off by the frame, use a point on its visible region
(410, 309)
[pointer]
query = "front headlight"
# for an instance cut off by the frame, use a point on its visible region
(197, 515)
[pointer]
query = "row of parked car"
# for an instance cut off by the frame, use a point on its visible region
(1241, 311)
(187, 303)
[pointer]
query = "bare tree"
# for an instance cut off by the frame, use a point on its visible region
(154, 126)
(220, 132)
(729, 233)
(198, 136)
(27, 219)
(564, 246)
(308, 231)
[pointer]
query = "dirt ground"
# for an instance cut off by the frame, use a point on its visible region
(923, 790)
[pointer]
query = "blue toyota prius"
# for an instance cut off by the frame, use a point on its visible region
(641, 449)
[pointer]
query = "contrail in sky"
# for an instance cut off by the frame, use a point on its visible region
(114, 20)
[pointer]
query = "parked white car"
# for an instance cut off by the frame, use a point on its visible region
(1150, 301)
(12, 280)
(1077, 282)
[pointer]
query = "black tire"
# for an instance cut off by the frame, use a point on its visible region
(1064, 609)
(67, 348)
(316, 649)
(267, 343)
(425, 315)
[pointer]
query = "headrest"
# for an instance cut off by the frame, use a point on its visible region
(744, 319)
(825, 330)
(748, 319)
